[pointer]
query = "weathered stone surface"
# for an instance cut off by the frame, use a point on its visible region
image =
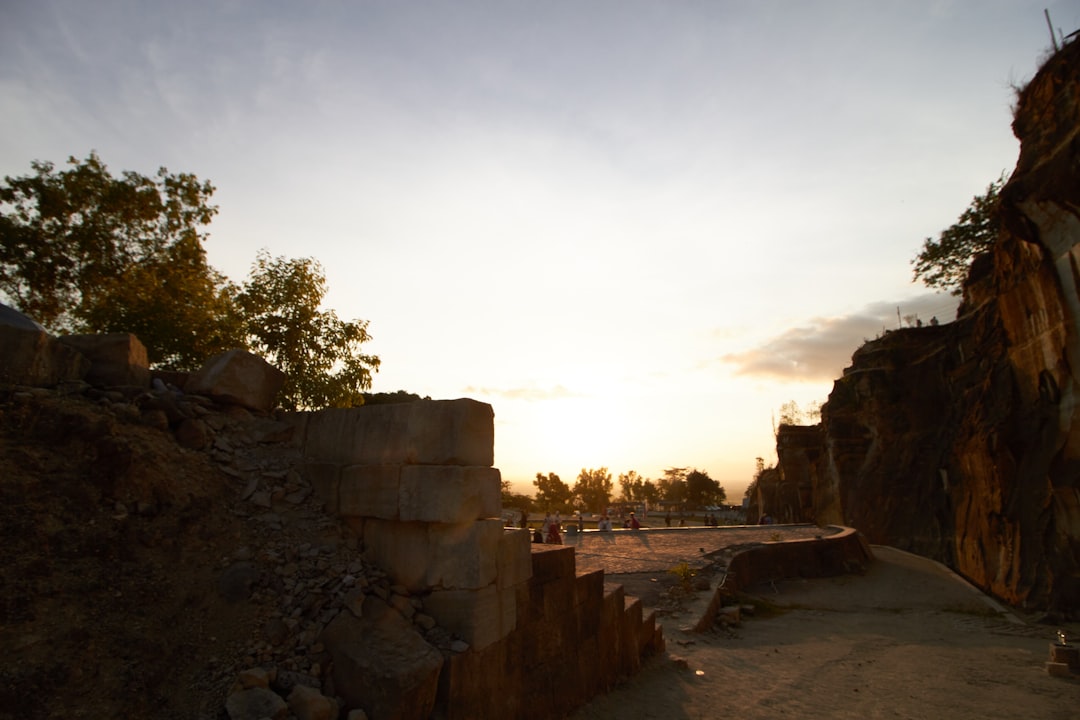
(431, 555)
(115, 359)
(30, 356)
(309, 704)
(192, 433)
(962, 442)
(515, 557)
(370, 491)
(476, 616)
(238, 377)
(325, 480)
(381, 664)
(256, 704)
(449, 493)
(428, 432)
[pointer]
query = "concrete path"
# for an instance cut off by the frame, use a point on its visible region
(660, 549)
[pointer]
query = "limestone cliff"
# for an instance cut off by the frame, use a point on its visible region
(962, 441)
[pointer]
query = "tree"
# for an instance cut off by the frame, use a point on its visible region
(673, 485)
(943, 264)
(517, 501)
(552, 493)
(702, 490)
(319, 353)
(71, 241)
(593, 488)
(632, 487)
(176, 304)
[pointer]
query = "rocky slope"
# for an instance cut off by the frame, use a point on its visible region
(962, 442)
(157, 547)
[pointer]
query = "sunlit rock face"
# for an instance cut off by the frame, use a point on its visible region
(962, 441)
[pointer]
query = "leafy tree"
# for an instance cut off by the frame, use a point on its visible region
(176, 304)
(792, 414)
(632, 486)
(319, 353)
(673, 485)
(651, 492)
(593, 488)
(517, 501)
(69, 239)
(552, 493)
(943, 264)
(702, 490)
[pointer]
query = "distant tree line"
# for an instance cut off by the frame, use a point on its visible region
(593, 491)
(83, 251)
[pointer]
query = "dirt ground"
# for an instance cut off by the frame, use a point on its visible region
(907, 639)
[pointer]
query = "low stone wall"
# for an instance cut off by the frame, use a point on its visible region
(839, 553)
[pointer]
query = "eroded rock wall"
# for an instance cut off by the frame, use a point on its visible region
(962, 442)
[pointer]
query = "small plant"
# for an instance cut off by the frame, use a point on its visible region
(685, 573)
(775, 537)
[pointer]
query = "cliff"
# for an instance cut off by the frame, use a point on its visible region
(961, 442)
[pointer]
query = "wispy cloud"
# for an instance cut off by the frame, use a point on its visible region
(822, 348)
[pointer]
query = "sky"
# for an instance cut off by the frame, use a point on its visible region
(636, 229)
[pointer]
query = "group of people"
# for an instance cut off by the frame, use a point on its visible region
(550, 531)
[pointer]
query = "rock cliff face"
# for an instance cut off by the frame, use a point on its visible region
(962, 441)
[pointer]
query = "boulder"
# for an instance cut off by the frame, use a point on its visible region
(240, 378)
(255, 704)
(115, 359)
(30, 356)
(381, 663)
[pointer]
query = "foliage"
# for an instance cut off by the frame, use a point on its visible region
(685, 573)
(319, 353)
(395, 398)
(672, 486)
(943, 264)
(181, 309)
(593, 488)
(552, 493)
(792, 414)
(631, 487)
(84, 251)
(702, 490)
(518, 501)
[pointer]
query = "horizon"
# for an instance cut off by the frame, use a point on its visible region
(636, 230)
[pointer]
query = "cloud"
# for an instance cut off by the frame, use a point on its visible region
(529, 394)
(821, 349)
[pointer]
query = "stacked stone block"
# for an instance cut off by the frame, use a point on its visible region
(416, 482)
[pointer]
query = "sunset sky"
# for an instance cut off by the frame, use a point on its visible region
(635, 228)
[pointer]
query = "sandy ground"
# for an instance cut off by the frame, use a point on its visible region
(908, 639)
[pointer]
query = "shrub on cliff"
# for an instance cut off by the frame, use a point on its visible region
(943, 264)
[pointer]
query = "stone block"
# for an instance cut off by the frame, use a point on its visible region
(552, 561)
(481, 684)
(515, 558)
(432, 555)
(473, 615)
(610, 634)
(30, 356)
(427, 432)
(115, 359)
(629, 644)
(240, 378)
(370, 491)
(381, 663)
(325, 479)
(449, 493)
